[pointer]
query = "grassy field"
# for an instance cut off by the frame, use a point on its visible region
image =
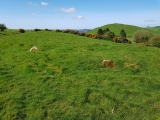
(9, 32)
(129, 29)
(155, 29)
(64, 79)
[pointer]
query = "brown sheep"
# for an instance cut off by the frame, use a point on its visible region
(108, 63)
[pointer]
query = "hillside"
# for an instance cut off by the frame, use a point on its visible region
(155, 29)
(65, 80)
(116, 28)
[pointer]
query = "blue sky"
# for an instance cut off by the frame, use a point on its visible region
(78, 14)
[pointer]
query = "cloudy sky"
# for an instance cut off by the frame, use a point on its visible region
(78, 14)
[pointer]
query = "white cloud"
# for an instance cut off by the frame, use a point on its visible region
(31, 3)
(80, 17)
(44, 3)
(69, 10)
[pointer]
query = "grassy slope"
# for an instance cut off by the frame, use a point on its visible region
(155, 29)
(116, 28)
(9, 32)
(65, 79)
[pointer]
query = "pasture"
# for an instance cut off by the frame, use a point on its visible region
(64, 78)
(129, 29)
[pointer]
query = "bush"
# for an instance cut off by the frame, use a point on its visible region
(57, 30)
(115, 39)
(81, 34)
(87, 35)
(155, 40)
(141, 36)
(3, 27)
(21, 30)
(37, 29)
(73, 31)
(65, 31)
(108, 35)
(100, 31)
(99, 36)
(46, 29)
(122, 34)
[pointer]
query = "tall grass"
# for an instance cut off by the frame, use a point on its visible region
(64, 79)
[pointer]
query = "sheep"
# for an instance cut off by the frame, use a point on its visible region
(108, 63)
(34, 48)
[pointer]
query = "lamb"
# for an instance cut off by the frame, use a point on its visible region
(34, 48)
(108, 63)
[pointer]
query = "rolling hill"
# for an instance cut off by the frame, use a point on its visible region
(129, 29)
(155, 29)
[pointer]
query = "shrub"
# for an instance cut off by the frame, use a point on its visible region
(122, 34)
(115, 39)
(100, 31)
(21, 30)
(57, 30)
(122, 38)
(108, 35)
(81, 34)
(155, 40)
(99, 36)
(130, 42)
(65, 31)
(74, 31)
(106, 30)
(3, 27)
(96, 36)
(87, 35)
(47, 29)
(141, 36)
(37, 29)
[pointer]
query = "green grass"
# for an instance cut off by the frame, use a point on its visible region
(155, 29)
(129, 29)
(9, 32)
(64, 79)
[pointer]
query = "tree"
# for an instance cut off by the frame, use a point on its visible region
(122, 34)
(21, 30)
(106, 30)
(100, 31)
(2, 27)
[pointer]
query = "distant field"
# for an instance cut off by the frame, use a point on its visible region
(64, 79)
(155, 29)
(129, 29)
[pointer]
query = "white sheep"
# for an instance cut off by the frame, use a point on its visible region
(34, 48)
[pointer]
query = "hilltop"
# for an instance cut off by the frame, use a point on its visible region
(129, 29)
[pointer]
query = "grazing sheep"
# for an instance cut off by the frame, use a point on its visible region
(108, 63)
(34, 48)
